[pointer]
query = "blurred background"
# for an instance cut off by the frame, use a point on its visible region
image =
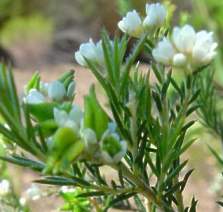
(43, 35)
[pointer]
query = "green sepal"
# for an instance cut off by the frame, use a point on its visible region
(44, 111)
(66, 148)
(48, 127)
(95, 117)
(33, 83)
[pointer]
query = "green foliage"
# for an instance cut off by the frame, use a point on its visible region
(150, 115)
(73, 201)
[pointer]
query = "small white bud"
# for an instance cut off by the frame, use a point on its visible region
(156, 15)
(131, 24)
(34, 97)
(179, 60)
(56, 91)
(90, 51)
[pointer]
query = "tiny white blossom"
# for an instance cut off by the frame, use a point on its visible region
(156, 15)
(4, 187)
(90, 140)
(34, 97)
(72, 119)
(164, 52)
(56, 91)
(184, 38)
(34, 192)
(131, 24)
(204, 49)
(90, 51)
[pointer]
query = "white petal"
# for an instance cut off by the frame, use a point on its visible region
(34, 97)
(131, 24)
(156, 15)
(56, 91)
(90, 139)
(60, 117)
(164, 52)
(184, 38)
(179, 60)
(204, 48)
(76, 114)
(80, 59)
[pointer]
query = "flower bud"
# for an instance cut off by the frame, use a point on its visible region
(156, 15)
(131, 24)
(90, 51)
(179, 60)
(65, 148)
(71, 90)
(72, 119)
(56, 91)
(34, 97)
(90, 140)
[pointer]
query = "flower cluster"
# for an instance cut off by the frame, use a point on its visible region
(133, 24)
(54, 91)
(186, 48)
(90, 51)
(72, 134)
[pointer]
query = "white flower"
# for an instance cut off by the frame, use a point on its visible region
(186, 48)
(90, 51)
(156, 15)
(56, 91)
(34, 97)
(179, 60)
(112, 148)
(34, 192)
(131, 24)
(164, 52)
(204, 49)
(72, 119)
(184, 38)
(4, 187)
(90, 140)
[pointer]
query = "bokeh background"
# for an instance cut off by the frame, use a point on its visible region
(43, 35)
